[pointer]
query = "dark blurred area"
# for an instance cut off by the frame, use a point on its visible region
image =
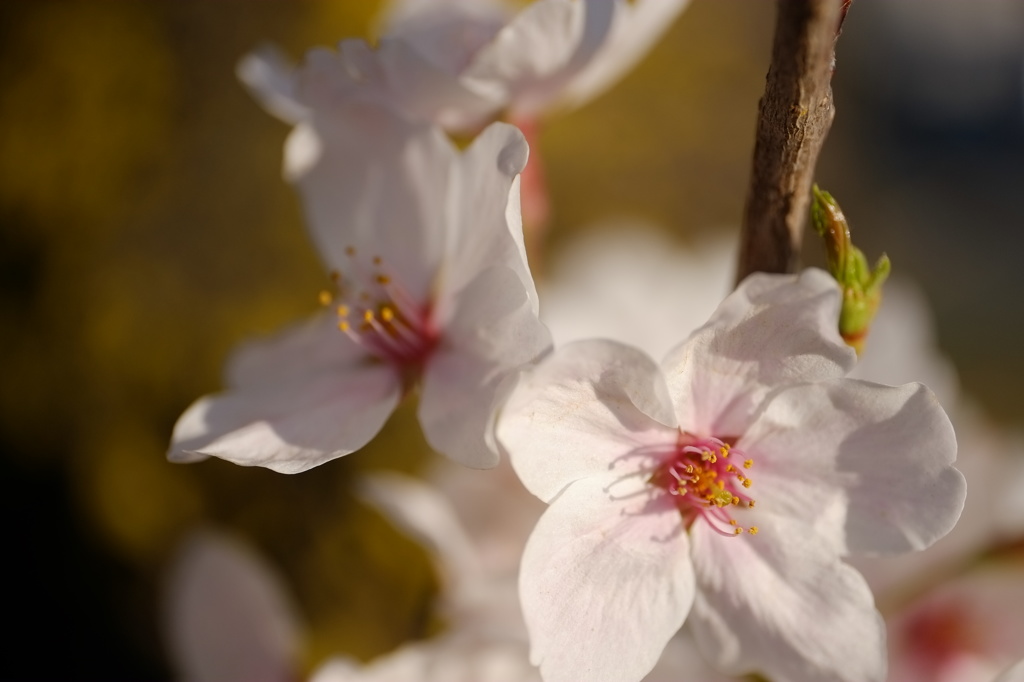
(145, 230)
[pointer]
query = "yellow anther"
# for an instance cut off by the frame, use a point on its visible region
(325, 297)
(730, 469)
(342, 310)
(724, 450)
(746, 482)
(737, 531)
(735, 500)
(383, 280)
(748, 463)
(368, 315)
(733, 522)
(343, 326)
(387, 314)
(750, 504)
(752, 530)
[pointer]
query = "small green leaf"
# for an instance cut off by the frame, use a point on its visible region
(862, 286)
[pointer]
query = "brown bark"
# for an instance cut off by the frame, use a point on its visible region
(794, 116)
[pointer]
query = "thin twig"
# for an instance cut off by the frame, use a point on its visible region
(794, 117)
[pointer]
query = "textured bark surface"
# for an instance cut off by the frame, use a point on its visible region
(794, 117)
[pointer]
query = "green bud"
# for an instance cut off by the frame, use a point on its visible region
(862, 286)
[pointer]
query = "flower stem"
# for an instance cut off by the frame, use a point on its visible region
(794, 116)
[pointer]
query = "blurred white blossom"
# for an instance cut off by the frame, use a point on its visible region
(227, 615)
(461, 63)
(628, 282)
(424, 245)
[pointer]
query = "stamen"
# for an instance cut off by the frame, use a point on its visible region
(704, 485)
(395, 326)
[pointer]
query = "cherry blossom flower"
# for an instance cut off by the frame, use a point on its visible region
(432, 290)
(461, 63)
(724, 487)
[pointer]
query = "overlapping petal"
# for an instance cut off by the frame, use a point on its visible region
(888, 450)
(783, 604)
(293, 426)
(582, 412)
(637, 25)
(494, 333)
(772, 331)
(605, 582)
(532, 60)
(485, 226)
(294, 401)
(378, 185)
(461, 64)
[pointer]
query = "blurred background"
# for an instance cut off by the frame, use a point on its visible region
(145, 230)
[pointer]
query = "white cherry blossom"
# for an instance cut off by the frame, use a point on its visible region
(462, 63)
(723, 487)
(432, 290)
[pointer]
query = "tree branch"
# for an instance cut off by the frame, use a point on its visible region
(794, 117)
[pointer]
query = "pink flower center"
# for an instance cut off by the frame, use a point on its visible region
(708, 479)
(378, 313)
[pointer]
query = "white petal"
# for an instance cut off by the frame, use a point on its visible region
(425, 91)
(293, 426)
(301, 351)
(781, 604)
(637, 26)
(271, 79)
(378, 184)
(486, 227)
(581, 412)
(495, 332)
(772, 331)
(446, 32)
(889, 450)
(228, 617)
(605, 583)
(538, 53)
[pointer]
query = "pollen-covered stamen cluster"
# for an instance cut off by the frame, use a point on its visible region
(377, 312)
(708, 477)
